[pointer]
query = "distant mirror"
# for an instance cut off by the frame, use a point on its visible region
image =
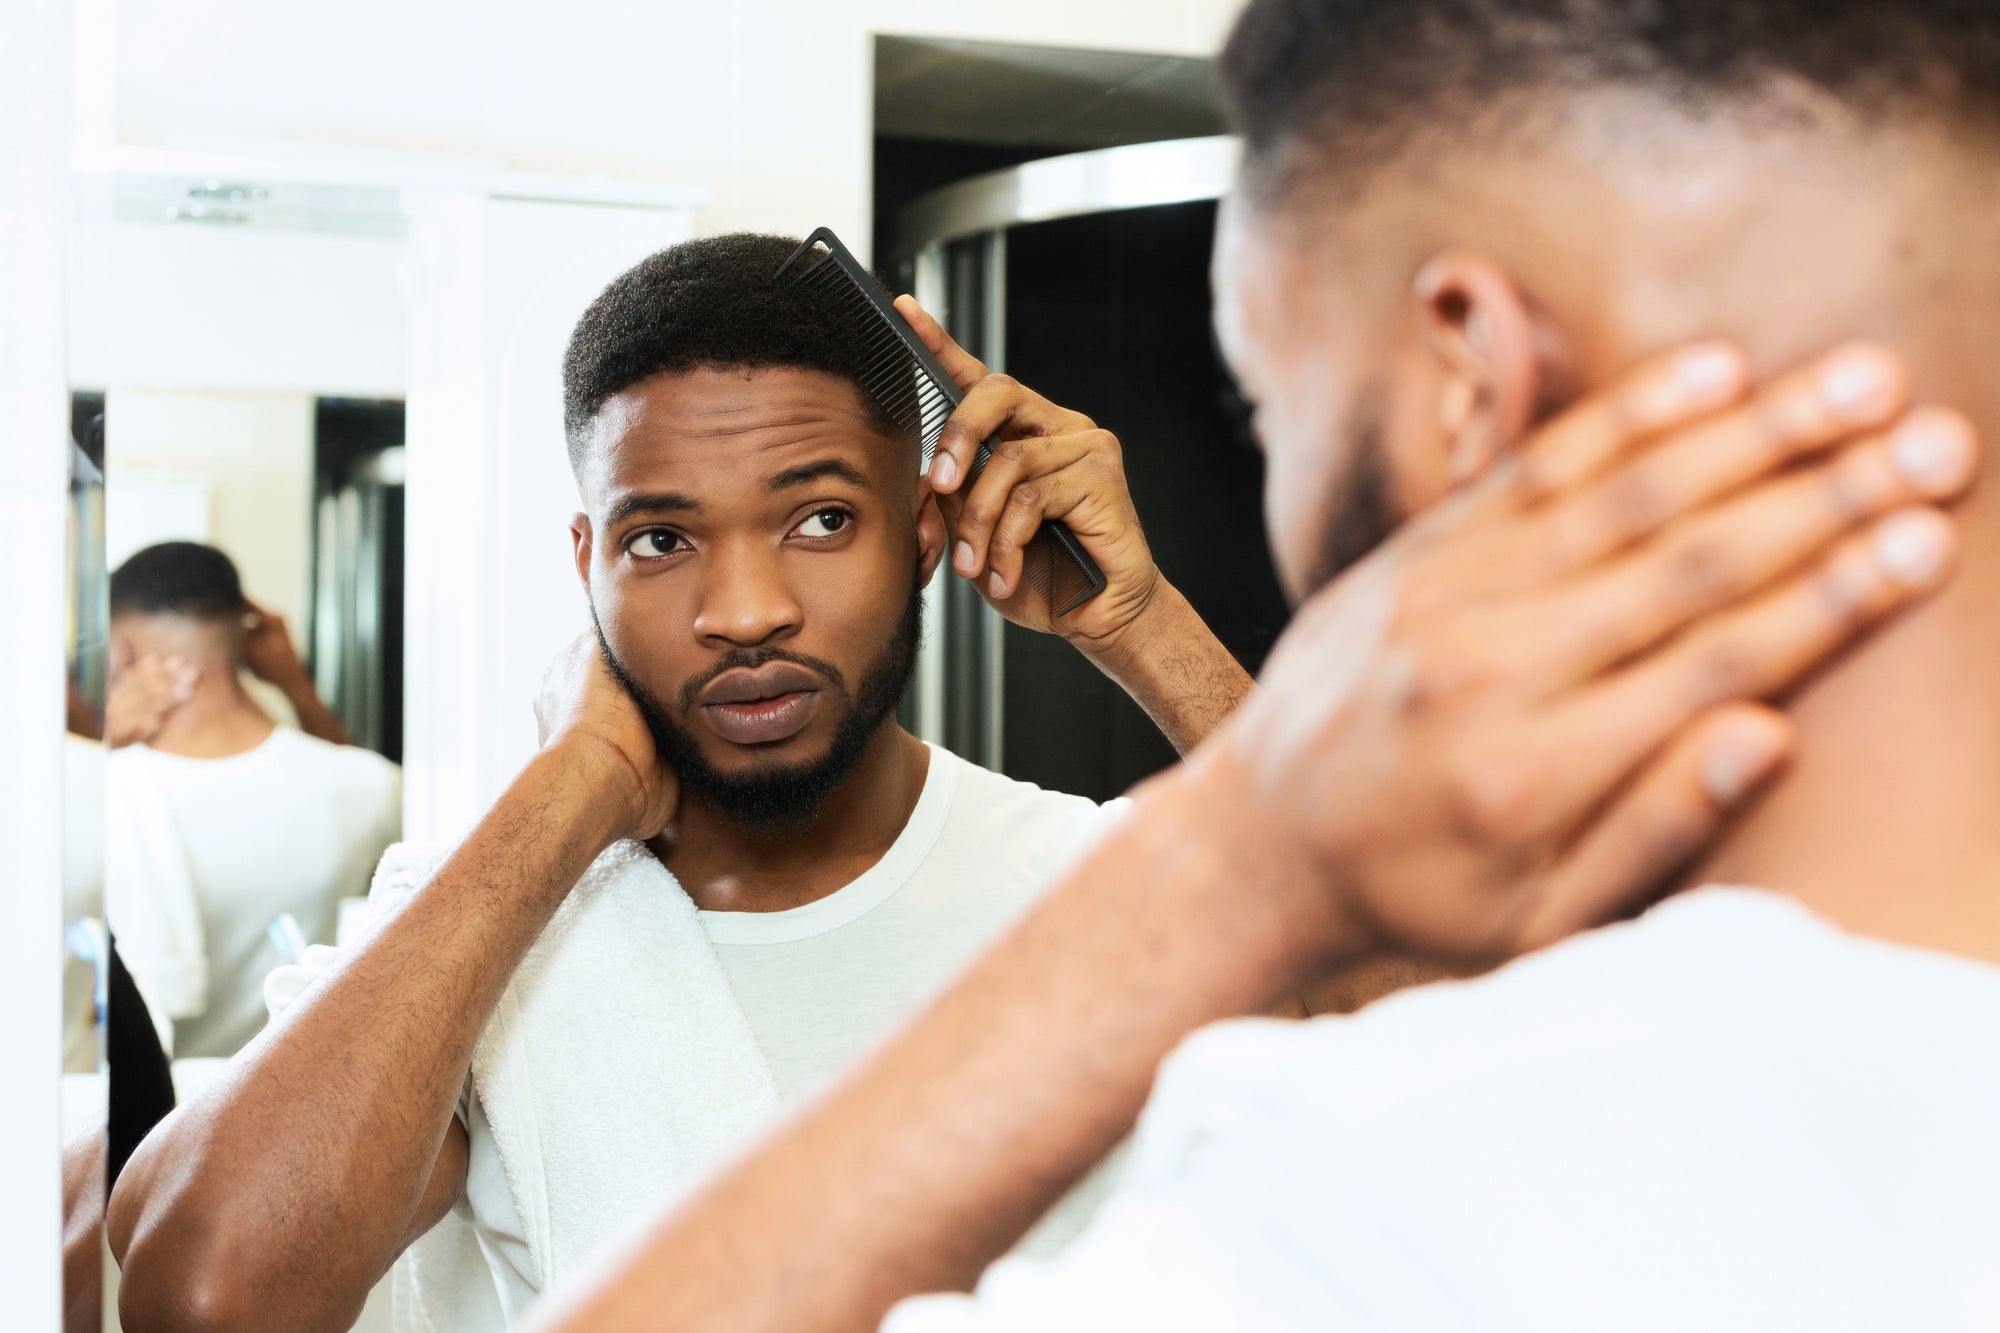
(245, 366)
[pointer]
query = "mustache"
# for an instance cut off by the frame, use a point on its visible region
(754, 658)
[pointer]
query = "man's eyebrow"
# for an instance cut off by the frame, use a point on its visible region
(820, 471)
(648, 502)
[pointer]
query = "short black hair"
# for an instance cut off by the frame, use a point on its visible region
(1346, 85)
(706, 302)
(178, 578)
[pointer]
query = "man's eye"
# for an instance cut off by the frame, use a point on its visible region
(653, 542)
(825, 523)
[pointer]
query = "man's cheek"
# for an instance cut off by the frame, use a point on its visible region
(1294, 508)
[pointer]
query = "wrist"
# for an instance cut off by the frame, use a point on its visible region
(598, 789)
(1160, 618)
(1214, 804)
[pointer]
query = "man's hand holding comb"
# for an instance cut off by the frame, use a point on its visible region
(1052, 463)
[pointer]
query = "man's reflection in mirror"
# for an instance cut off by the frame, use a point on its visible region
(230, 840)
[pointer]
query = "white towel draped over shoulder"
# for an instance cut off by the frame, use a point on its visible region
(609, 1087)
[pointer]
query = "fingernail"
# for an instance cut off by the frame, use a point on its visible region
(1933, 451)
(1912, 547)
(997, 586)
(962, 558)
(943, 472)
(1702, 373)
(1737, 761)
(1856, 380)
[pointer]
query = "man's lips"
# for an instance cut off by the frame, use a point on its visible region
(775, 702)
(745, 685)
(763, 721)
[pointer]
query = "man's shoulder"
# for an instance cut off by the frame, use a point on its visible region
(997, 791)
(352, 766)
(1717, 960)
(990, 805)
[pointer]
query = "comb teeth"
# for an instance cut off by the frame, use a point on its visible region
(897, 370)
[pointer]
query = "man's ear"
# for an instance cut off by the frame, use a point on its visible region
(1478, 326)
(930, 530)
(579, 540)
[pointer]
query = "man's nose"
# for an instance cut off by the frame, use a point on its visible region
(745, 600)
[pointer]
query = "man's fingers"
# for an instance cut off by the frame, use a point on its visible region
(958, 363)
(1855, 389)
(1015, 463)
(1751, 652)
(996, 405)
(1722, 554)
(1659, 393)
(1670, 812)
(1032, 504)
(181, 675)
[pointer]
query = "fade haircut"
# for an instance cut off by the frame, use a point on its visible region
(178, 578)
(1324, 91)
(710, 302)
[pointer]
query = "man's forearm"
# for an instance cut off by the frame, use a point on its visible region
(1174, 667)
(315, 718)
(940, 1153)
(281, 1195)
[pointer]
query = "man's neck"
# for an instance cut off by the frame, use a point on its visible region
(1889, 822)
(218, 720)
(727, 867)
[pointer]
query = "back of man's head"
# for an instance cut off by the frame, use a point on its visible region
(713, 302)
(185, 579)
(1323, 90)
(179, 599)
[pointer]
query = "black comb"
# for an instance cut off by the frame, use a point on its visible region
(903, 377)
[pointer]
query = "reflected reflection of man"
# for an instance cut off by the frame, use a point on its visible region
(218, 821)
(754, 539)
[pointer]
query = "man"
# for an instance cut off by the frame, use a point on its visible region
(218, 821)
(1749, 1108)
(754, 538)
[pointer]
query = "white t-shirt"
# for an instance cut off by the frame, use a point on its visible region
(1728, 1115)
(293, 825)
(823, 983)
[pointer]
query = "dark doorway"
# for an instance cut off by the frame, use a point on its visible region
(357, 605)
(1109, 314)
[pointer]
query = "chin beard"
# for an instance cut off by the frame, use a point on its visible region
(773, 795)
(1365, 515)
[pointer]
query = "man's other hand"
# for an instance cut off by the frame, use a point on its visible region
(144, 693)
(1050, 463)
(584, 711)
(268, 649)
(1526, 711)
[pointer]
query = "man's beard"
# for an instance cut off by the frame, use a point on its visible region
(772, 795)
(1365, 515)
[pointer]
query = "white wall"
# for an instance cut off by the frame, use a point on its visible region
(767, 106)
(34, 426)
(180, 307)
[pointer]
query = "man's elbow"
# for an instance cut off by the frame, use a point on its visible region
(162, 1289)
(185, 1266)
